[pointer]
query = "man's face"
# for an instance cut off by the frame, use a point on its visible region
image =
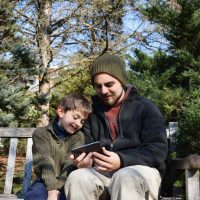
(108, 89)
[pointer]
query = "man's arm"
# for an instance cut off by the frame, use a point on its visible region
(87, 131)
(106, 162)
(153, 148)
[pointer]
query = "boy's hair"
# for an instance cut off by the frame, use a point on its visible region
(76, 101)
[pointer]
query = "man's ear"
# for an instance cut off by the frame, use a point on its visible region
(60, 111)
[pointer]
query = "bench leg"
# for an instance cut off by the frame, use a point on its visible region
(192, 184)
(10, 166)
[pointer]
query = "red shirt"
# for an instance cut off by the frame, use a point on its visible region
(112, 117)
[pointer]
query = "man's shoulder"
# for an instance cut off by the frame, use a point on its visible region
(141, 100)
(144, 100)
(134, 94)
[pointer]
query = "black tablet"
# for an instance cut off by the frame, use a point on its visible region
(87, 148)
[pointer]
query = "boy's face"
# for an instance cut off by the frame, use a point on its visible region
(71, 120)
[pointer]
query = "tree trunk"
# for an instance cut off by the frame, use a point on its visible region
(44, 45)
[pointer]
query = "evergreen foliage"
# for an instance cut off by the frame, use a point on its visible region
(17, 67)
(76, 81)
(172, 78)
(61, 30)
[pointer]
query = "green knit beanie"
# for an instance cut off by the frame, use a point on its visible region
(111, 65)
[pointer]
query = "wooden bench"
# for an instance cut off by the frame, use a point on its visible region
(14, 134)
(190, 164)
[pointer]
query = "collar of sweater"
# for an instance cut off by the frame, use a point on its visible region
(58, 130)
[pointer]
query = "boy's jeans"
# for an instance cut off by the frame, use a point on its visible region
(38, 191)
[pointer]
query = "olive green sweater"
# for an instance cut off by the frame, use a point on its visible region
(51, 162)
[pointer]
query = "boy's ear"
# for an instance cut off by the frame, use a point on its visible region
(60, 111)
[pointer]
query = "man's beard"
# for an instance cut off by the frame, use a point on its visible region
(114, 101)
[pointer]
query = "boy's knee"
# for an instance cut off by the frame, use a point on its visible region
(37, 192)
(35, 196)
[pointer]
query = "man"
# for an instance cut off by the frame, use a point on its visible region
(132, 131)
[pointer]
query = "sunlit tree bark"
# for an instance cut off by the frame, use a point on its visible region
(44, 11)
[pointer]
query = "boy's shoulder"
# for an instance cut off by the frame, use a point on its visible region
(40, 131)
(78, 134)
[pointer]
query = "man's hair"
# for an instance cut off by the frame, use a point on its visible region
(76, 101)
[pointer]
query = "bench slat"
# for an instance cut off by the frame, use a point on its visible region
(16, 132)
(9, 197)
(28, 167)
(189, 162)
(10, 166)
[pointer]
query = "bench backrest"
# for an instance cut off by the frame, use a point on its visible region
(14, 134)
(190, 164)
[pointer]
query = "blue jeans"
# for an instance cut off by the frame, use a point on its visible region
(38, 191)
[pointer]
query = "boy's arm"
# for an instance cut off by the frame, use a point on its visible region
(69, 166)
(43, 163)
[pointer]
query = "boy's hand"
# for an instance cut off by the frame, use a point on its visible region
(106, 162)
(53, 195)
(83, 161)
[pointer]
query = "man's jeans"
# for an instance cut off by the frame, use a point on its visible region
(135, 182)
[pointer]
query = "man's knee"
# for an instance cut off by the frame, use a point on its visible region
(128, 176)
(137, 178)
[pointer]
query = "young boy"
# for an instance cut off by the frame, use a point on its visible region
(52, 145)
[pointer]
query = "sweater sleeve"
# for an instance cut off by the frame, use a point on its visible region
(43, 163)
(78, 140)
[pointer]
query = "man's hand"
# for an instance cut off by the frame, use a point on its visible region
(83, 161)
(53, 195)
(107, 162)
